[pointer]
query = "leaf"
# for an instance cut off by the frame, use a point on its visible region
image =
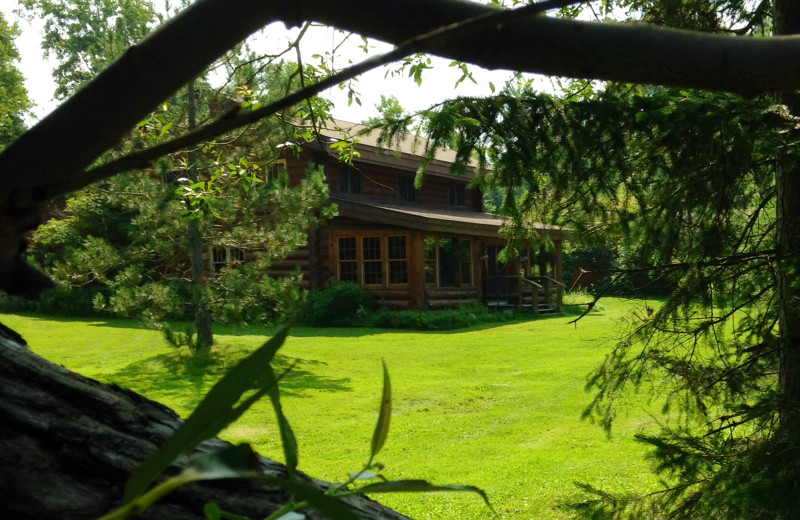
(419, 486)
(214, 413)
(212, 511)
(384, 415)
(327, 505)
(229, 462)
(165, 128)
(288, 439)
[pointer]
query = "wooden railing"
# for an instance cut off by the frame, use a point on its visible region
(508, 290)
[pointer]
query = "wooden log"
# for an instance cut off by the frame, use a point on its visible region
(68, 444)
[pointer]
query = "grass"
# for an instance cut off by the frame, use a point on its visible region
(495, 406)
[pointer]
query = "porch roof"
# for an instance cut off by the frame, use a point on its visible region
(433, 220)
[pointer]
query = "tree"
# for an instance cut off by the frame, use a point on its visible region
(702, 188)
(14, 102)
(96, 118)
(197, 195)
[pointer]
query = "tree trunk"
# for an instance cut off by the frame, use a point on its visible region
(68, 444)
(787, 181)
(202, 318)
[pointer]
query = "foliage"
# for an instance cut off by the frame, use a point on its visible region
(181, 339)
(339, 304)
(14, 102)
(86, 36)
(57, 302)
(682, 183)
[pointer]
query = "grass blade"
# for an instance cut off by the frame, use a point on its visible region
(384, 415)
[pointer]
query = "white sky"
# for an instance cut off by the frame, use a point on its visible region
(438, 83)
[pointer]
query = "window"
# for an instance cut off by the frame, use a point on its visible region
(458, 194)
(276, 172)
(406, 189)
(448, 262)
(373, 260)
(348, 264)
(350, 180)
(377, 260)
(398, 265)
(431, 261)
(224, 257)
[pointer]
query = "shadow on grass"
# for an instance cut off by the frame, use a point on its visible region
(91, 321)
(193, 376)
(306, 331)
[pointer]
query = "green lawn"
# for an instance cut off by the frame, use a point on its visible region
(492, 406)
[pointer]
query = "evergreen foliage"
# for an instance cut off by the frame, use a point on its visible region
(683, 183)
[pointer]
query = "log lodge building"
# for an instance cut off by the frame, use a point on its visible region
(416, 249)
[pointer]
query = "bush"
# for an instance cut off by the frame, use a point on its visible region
(450, 319)
(56, 302)
(342, 304)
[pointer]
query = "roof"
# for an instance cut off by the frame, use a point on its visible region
(404, 153)
(433, 220)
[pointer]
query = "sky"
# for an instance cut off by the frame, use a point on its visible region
(438, 84)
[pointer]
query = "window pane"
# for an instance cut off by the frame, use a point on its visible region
(350, 180)
(397, 248)
(372, 248)
(348, 271)
(466, 261)
(430, 248)
(237, 255)
(347, 248)
(373, 272)
(398, 271)
(407, 189)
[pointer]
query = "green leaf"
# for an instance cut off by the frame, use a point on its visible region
(288, 439)
(229, 462)
(212, 511)
(384, 415)
(418, 486)
(214, 413)
(165, 128)
(329, 506)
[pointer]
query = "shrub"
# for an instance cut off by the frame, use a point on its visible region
(450, 319)
(339, 304)
(77, 302)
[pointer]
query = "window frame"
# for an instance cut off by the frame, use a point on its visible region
(361, 261)
(405, 187)
(351, 180)
(457, 194)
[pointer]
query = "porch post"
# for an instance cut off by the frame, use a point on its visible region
(416, 271)
(559, 275)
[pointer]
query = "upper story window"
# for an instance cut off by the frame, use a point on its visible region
(350, 180)
(406, 188)
(458, 194)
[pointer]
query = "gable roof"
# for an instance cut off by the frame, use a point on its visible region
(404, 153)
